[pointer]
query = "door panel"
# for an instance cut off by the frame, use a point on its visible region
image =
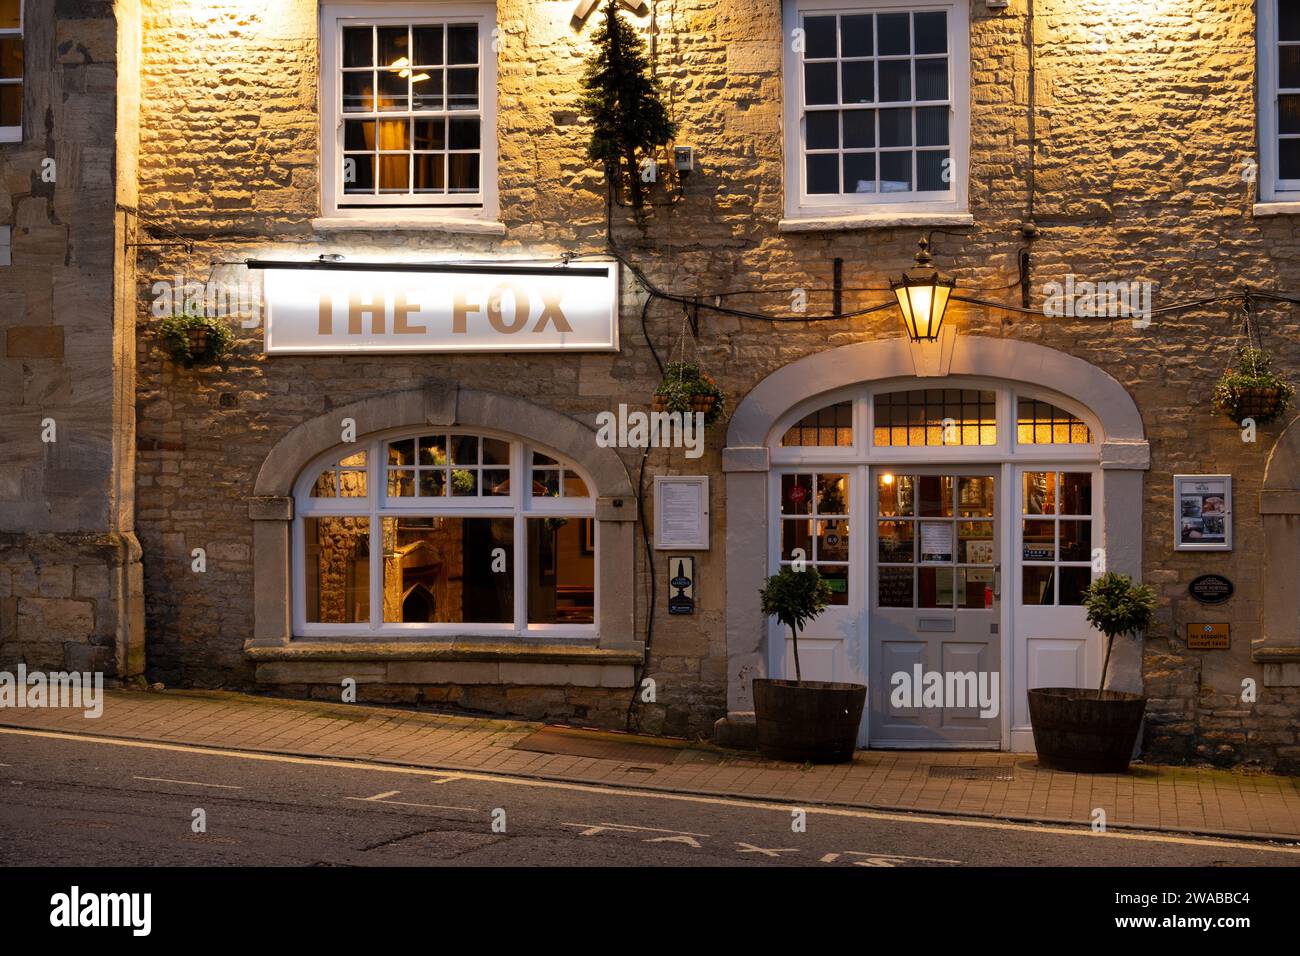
(934, 548)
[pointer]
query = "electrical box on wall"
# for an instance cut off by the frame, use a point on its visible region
(684, 159)
(6, 245)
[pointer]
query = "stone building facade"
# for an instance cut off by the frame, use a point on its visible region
(1140, 161)
(71, 580)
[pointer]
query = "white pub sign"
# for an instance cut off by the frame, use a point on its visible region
(314, 308)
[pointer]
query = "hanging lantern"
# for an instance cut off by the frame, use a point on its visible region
(923, 295)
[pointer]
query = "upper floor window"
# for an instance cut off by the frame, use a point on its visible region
(11, 71)
(876, 106)
(408, 105)
(1279, 100)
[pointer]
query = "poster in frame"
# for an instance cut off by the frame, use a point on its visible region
(1202, 512)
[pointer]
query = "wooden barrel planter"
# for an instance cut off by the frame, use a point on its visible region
(808, 721)
(1076, 732)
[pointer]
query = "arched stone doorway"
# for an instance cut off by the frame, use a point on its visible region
(1119, 454)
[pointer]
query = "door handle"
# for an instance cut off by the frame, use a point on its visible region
(997, 581)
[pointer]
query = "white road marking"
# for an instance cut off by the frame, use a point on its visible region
(1082, 830)
(379, 796)
(189, 783)
(874, 859)
(627, 827)
(402, 803)
(750, 848)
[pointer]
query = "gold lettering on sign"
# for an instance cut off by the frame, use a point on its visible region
(494, 309)
(460, 312)
(403, 311)
(551, 312)
(326, 324)
(358, 308)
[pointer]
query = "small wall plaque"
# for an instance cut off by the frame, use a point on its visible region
(1208, 637)
(681, 585)
(1210, 588)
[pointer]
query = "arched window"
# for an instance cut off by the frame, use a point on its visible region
(1040, 423)
(443, 531)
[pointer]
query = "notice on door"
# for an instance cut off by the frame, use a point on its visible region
(511, 307)
(936, 542)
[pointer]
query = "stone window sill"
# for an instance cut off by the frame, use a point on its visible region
(1276, 209)
(874, 220)
(469, 227)
(453, 662)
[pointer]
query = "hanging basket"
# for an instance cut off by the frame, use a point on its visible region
(1250, 389)
(198, 340)
(1259, 403)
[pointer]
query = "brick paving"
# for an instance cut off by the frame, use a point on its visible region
(1185, 799)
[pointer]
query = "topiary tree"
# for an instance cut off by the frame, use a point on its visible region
(1117, 606)
(794, 598)
(623, 102)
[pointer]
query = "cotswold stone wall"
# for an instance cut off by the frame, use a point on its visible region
(1145, 116)
(70, 575)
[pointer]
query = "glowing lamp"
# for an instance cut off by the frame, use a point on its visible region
(923, 295)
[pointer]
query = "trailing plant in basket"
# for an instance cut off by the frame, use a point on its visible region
(1251, 389)
(794, 598)
(193, 338)
(687, 388)
(1116, 605)
(624, 103)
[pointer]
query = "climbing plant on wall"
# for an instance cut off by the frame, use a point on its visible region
(624, 104)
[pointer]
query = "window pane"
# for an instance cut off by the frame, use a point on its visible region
(931, 32)
(823, 174)
(819, 84)
(894, 587)
(1076, 541)
(1073, 583)
(1288, 20)
(11, 104)
(11, 58)
(894, 34)
(1076, 493)
(431, 173)
(1036, 585)
(975, 497)
(462, 44)
(324, 486)
(896, 542)
(860, 173)
(975, 542)
(934, 587)
(462, 89)
(895, 172)
(395, 134)
(796, 536)
(796, 494)
(1039, 541)
(857, 85)
(428, 46)
(464, 168)
(823, 129)
(1040, 492)
(464, 482)
(427, 92)
(855, 36)
(932, 175)
(464, 132)
(352, 484)
(546, 483)
(1288, 67)
(394, 174)
(337, 568)
(896, 127)
(1288, 113)
(394, 46)
(433, 484)
(402, 452)
(358, 46)
(444, 570)
(931, 79)
(575, 487)
(859, 129)
(896, 495)
(1288, 155)
(819, 37)
(359, 92)
(496, 483)
(393, 91)
(895, 80)
(401, 483)
(431, 133)
(932, 126)
(561, 571)
(496, 451)
(935, 495)
(359, 135)
(832, 494)
(358, 174)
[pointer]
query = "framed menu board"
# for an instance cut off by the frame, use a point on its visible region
(1202, 512)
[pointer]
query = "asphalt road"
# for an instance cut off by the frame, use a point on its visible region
(76, 802)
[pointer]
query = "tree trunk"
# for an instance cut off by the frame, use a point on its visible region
(1105, 663)
(798, 674)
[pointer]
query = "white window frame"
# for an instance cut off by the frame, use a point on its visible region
(1271, 188)
(798, 204)
(14, 134)
(334, 204)
(376, 505)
